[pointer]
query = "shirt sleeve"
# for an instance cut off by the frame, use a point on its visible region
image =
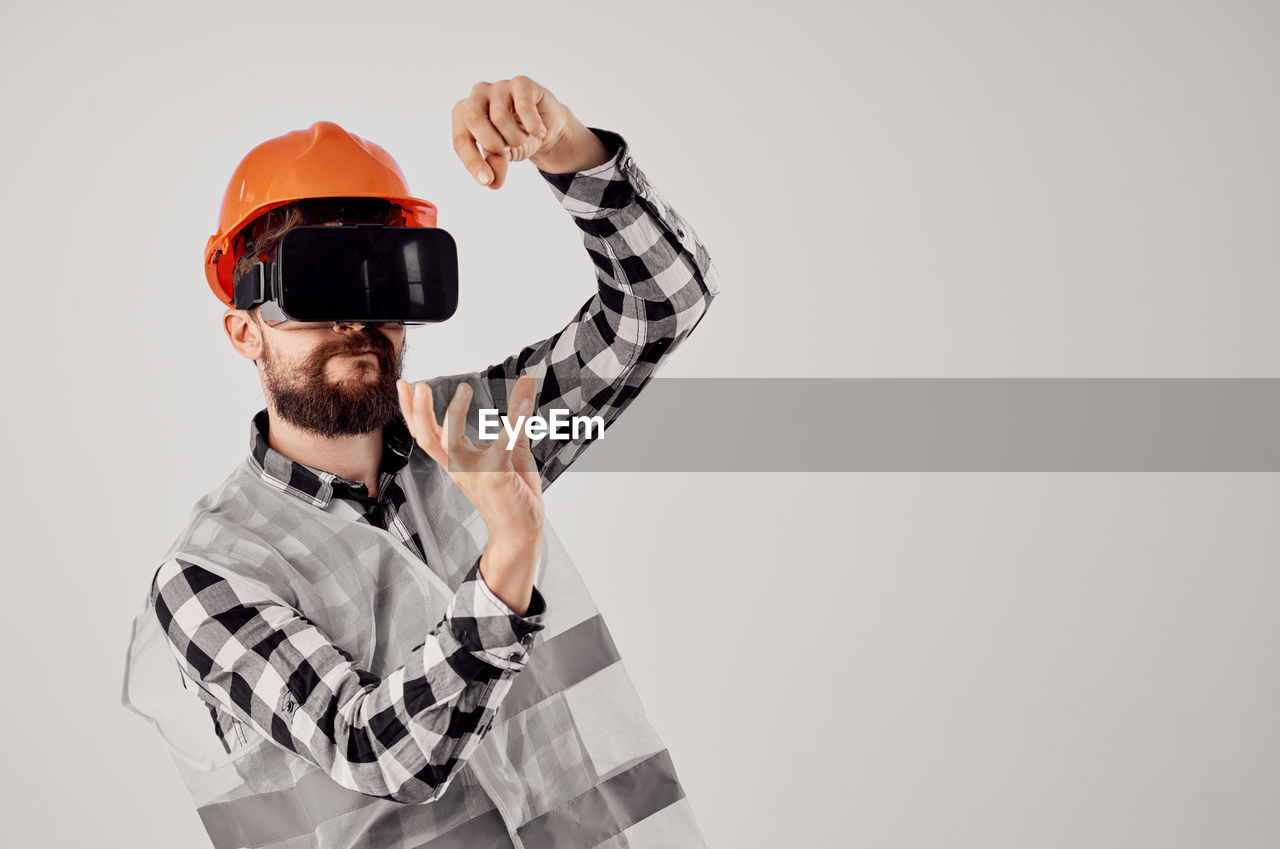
(400, 737)
(655, 281)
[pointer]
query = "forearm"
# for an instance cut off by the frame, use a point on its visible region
(402, 736)
(578, 150)
(508, 567)
(654, 282)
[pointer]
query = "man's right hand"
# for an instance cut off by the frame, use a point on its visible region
(503, 484)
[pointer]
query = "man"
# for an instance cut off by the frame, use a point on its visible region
(378, 640)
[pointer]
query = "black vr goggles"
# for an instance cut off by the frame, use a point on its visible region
(355, 272)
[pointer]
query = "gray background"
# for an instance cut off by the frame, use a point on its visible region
(915, 189)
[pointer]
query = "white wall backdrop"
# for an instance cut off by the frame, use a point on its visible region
(905, 189)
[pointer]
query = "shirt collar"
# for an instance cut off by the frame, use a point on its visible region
(317, 486)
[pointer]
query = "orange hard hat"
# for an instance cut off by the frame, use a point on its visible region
(321, 161)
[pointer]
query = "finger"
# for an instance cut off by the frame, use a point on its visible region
(419, 414)
(407, 394)
(465, 145)
(502, 115)
(524, 151)
(523, 401)
(424, 434)
(471, 128)
(524, 464)
(404, 393)
(455, 420)
(517, 414)
(497, 163)
(525, 95)
(475, 118)
(524, 390)
(428, 415)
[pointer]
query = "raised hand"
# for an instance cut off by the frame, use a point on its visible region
(503, 484)
(515, 119)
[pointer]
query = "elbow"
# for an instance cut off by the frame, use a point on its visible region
(710, 277)
(375, 772)
(427, 785)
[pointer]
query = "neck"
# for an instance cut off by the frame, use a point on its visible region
(357, 458)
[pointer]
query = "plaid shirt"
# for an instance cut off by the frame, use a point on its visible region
(253, 660)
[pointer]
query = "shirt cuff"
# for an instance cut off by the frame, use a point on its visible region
(489, 628)
(600, 191)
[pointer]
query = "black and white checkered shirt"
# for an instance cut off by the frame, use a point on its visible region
(253, 660)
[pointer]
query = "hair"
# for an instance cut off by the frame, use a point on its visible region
(262, 235)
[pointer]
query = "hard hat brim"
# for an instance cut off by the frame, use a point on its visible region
(220, 259)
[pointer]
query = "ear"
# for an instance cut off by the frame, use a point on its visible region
(245, 333)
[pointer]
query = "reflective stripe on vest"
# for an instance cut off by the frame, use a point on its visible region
(611, 806)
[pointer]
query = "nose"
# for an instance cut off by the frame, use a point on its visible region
(382, 329)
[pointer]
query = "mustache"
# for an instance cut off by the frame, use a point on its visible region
(375, 343)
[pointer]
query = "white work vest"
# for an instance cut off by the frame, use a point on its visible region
(570, 762)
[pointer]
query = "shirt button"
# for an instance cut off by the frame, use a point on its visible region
(515, 655)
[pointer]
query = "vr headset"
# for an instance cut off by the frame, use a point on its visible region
(355, 272)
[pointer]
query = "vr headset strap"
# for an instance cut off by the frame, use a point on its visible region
(252, 287)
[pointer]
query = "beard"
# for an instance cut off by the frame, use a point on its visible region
(362, 400)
